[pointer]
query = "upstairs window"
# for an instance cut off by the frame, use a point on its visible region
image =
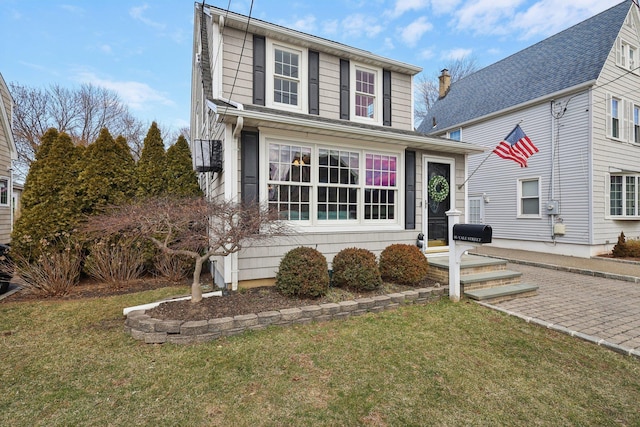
(366, 94)
(286, 77)
(614, 117)
(627, 56)
(636, 124)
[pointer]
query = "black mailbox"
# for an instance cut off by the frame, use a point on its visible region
(475, 233)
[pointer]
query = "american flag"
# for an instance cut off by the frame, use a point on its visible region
(517, 147)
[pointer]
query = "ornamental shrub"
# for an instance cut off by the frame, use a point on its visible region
(356, 269)
(620, 250)
(303, 273)
(403, 264)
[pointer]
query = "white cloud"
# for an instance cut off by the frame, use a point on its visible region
(106, 48)
(487, 16)
(137, 95)
(440, 7)
(426, 54)
(138, 13)
(458, 53)
(360, 25)
(306, 24)
(403, 6)
(330, 27)
(412, 33)
(547, 17)
(72, 9)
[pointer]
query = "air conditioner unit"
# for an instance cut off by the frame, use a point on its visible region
(207, 155)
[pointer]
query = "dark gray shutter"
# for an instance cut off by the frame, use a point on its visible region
(259, 69)
(314, 82)
(344, 89)
(410, 190)
(250, 165)
(386, 98)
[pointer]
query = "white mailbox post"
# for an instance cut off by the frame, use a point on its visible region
(462, 237)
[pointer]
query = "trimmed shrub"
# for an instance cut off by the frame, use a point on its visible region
(356, 269)
(620, 250)
(403, 264)
(303, 272)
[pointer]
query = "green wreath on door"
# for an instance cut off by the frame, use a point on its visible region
(438, 188)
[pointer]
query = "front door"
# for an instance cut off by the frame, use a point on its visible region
(439, 187)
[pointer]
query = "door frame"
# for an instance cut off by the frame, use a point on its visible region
(426, 159)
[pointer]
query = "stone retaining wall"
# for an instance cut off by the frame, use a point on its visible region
(155, 331)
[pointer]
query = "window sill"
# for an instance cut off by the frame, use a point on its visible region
(624, 218)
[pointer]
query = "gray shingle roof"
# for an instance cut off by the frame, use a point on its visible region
(567, 59)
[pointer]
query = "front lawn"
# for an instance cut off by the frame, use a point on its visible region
(70, 363)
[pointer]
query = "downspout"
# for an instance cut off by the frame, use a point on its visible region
(233, 258)
(553, 168)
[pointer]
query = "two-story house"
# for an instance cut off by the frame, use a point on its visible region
(576, 95)
(8, 153)
(321, 132)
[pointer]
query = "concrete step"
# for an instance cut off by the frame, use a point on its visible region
(470, 264)
(489, 279)
(502, 293)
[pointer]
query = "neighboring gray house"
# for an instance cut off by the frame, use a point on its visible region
(577, 97)
(320, 131)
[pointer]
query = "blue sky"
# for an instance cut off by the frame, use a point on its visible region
(142, 49)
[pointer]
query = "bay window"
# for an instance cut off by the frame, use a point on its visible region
(320, 185)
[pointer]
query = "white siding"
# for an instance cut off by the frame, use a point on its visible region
(498, 178)
(401, 101)
(329, 86)
(611, 155)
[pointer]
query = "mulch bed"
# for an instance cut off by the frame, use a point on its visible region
(245, 301)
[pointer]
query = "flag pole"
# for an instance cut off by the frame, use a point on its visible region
(474, 171)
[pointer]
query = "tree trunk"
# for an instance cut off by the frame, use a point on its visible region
(196, 289)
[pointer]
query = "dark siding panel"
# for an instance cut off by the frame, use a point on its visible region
(410, 190)
(344, 89)
(314, 82)
(259, 69)
(250, 164)
(386, 98)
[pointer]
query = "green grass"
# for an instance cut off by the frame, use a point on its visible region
(70, 363)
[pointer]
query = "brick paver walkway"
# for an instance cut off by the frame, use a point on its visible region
(600, 310)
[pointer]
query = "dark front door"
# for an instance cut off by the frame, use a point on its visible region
(438, 203)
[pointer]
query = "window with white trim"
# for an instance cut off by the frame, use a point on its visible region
(614, 118)
(366, 94)
(286, 79)
(328, 185)
(529, 197)
(4, 192)
(636, 124)
(627, 57)
(624, 195)
(455, 134)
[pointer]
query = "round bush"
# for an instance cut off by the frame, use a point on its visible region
(303, 272)
(356, 269)
(403, 264)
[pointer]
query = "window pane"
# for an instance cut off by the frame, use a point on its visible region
(530, 206)
(4, 192)
(530, 188)
(615, 195)
(630, 201)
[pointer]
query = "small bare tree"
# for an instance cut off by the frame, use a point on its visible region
(191, 227)
(427, 88)
(80, 112)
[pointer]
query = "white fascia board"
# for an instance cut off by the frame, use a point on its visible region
(554, 95)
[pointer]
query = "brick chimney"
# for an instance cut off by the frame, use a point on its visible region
(445, 83)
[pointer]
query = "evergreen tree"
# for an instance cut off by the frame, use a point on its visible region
(107, 176)
(43, 215)
(179, 174)
(150, 168)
